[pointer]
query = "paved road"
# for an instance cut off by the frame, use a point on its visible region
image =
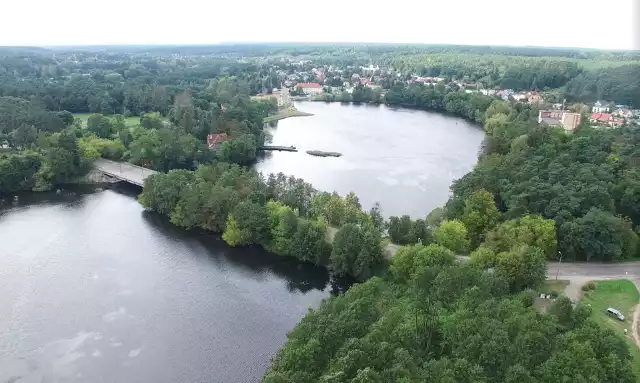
(124, 171)
(588, 271)
(629, 270)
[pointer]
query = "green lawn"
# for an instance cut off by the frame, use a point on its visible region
(622, 296)
(552, 285)
(130, 121)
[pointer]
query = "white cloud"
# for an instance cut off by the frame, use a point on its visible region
(581, 23)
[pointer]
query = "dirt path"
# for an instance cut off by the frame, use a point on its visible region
(574, 289)
(635, 326)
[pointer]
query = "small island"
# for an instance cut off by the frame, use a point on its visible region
(320, 153)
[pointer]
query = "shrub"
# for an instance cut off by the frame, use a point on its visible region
(528, 297)
(554, 294)
(591, 285)
(585, 287)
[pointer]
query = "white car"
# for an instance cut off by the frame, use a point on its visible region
(615, 313)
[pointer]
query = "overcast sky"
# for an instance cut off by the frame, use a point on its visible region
(610, 24)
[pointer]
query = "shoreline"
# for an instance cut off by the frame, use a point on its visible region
(281, 115)
(400, 106)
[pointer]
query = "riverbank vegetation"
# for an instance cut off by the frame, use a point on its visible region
(432, 319)
(284, 215)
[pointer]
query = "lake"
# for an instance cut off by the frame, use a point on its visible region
(94, 289)
(405, 159)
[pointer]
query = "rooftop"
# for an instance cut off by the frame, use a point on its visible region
(308, 85)
(214, 139)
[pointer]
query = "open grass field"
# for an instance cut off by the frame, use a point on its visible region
(130, 121)
(622, 296)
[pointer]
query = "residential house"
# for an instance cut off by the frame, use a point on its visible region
(367, 82)
(488, 92)
(310, 88)
(624, 113)
(519, 96)
(617, 122)
(568, 120)
(370, 68)
(505, 94)
(607, 119)
(214, 140)
(601, 107)
(601, 118)
(534, 97)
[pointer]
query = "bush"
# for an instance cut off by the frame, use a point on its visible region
(528, 297)
(585, 287)
(591, 285)
(554, 294)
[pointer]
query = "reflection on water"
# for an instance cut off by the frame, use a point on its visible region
(404, 159)
(93, 288)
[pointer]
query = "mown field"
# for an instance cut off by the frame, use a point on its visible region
(622, 296)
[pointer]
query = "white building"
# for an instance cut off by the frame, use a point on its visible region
(601, 107)
(310, 87)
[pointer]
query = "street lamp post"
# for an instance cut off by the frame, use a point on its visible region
(559, 262)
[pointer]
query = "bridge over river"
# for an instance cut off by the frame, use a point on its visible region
(124, 171)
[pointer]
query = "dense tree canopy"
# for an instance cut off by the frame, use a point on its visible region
(437, 321)
(583, 182)
(283, 214)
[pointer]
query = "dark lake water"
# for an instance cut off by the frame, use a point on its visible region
(95, 289)
(404, 159)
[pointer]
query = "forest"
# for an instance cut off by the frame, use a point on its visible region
(433, 320)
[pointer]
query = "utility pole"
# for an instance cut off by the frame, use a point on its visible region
(558, 272)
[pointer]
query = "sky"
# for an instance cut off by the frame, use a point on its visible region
(610, 24)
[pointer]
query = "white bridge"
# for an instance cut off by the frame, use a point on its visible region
(124, 171)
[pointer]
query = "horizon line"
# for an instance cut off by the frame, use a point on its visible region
(236, 43)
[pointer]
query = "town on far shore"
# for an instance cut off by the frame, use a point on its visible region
(306, 80)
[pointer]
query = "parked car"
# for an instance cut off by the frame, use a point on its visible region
(615, 313)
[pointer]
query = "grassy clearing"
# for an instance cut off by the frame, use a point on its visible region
(291, 112)
(553, 285)
(129, 121)
(622, 296)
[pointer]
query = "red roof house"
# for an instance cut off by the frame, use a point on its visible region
(214, 140)
(601, 117)
(307, 85)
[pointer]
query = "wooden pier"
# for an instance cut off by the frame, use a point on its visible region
(279, 148)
